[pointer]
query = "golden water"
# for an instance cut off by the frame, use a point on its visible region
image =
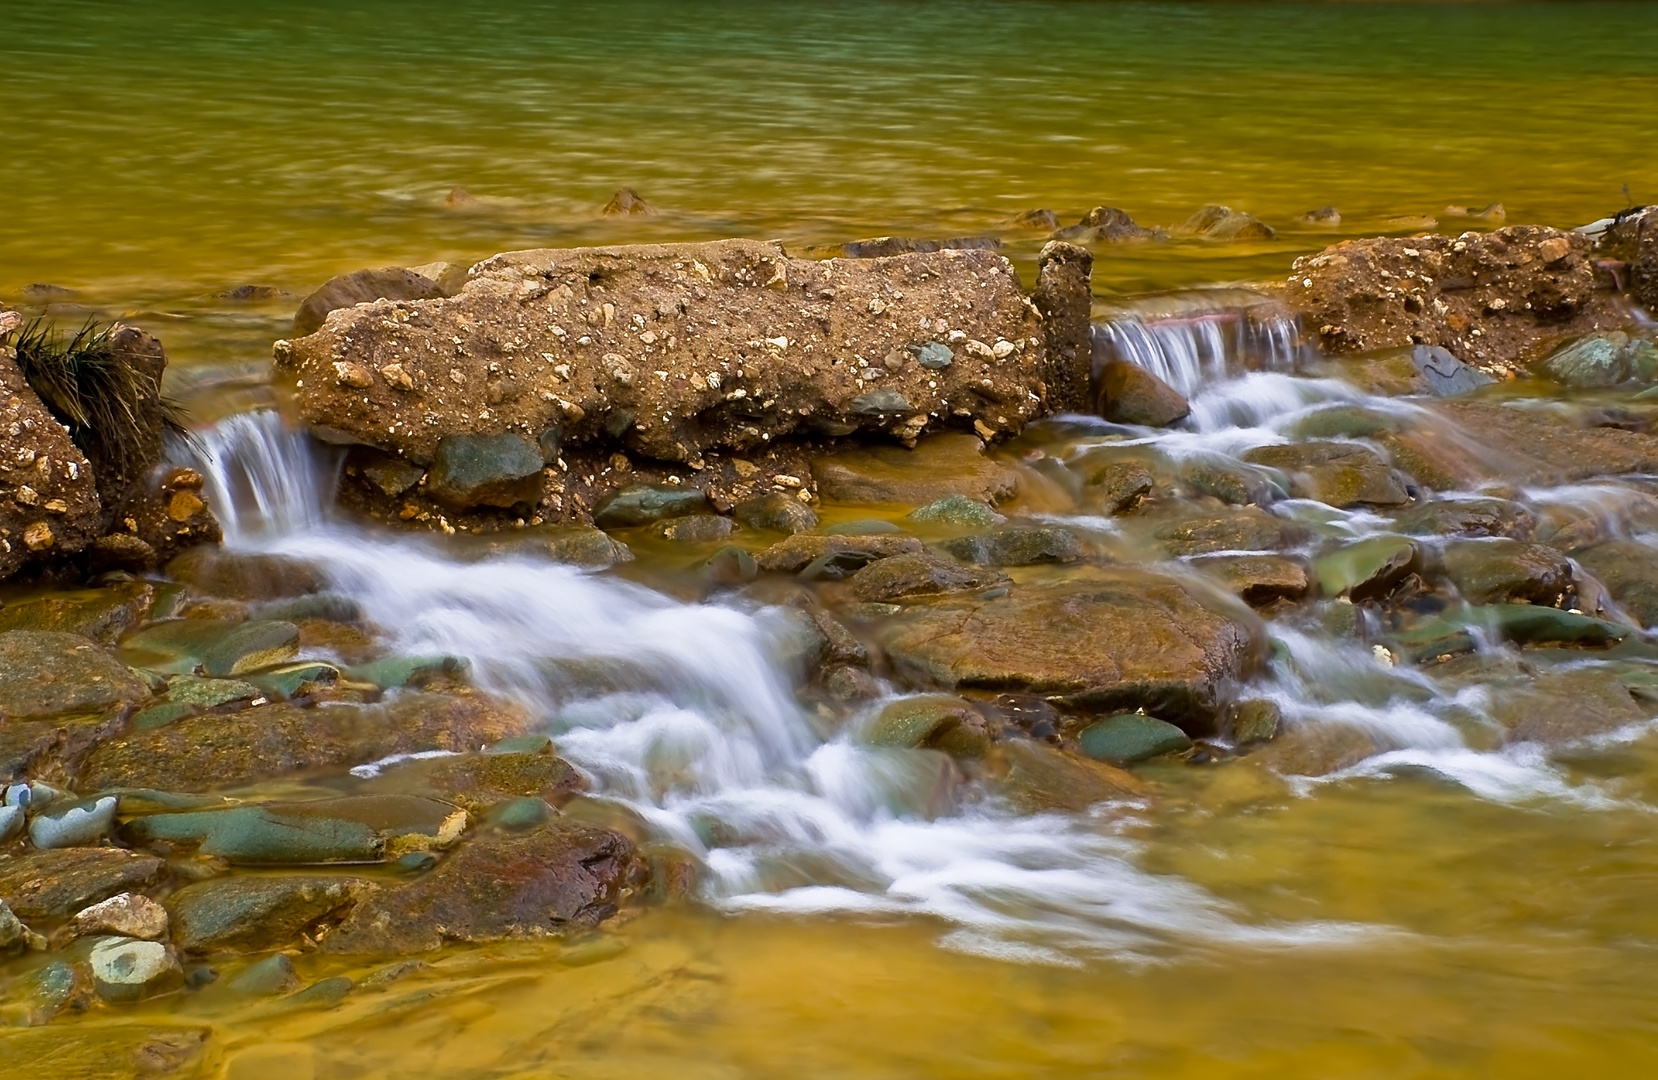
(158, 154)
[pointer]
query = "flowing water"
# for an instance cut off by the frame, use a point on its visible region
(1440, 904)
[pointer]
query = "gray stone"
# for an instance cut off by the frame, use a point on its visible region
(248, 914)
(359, 828)
(776, 512)
(880, 403)
(469, 471)
(1445, 375)
(128, 970)
(934, 355)
(957, 510)
(78, 824)
(1018, 545)
(646, 504)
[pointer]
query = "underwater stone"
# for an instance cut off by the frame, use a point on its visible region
(127, 970)
(265, 978)
(776, 512)
(1131, 737)
(957, 510)
(253, 913)
(1365, 568)
(219, 648)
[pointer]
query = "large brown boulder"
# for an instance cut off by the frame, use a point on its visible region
(1492, 300)
(552, 880)
(1119, 640)
(675, 351)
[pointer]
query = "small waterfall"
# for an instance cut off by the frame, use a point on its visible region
(685, 714)
(264, 480)
(1191, 340)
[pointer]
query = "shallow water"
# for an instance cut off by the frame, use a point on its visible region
(1443, 908)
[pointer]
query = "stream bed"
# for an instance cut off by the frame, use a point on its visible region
(1443, 866)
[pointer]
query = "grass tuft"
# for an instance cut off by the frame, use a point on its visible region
(100, 395)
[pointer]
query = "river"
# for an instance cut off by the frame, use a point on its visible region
(1451, 905)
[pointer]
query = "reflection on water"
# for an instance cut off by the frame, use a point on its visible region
(280, 144)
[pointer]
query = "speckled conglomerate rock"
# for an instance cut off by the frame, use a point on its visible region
(680, 354)
(1495, 300)
(48, 498)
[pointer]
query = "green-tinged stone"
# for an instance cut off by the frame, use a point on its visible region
(1018, 545)
(330, 606)
(523, 813)
(209, 693)
(644, 504)
(522, 744)
(1365, 567)
(1532, 624)
(1255, 720)
(323, 994)
(240, 913)
(217, 647)
(485, 470)
(162, 714)
(395, 672)
(915, 721)
(957, 510)
(1131, 737)
(295, 680)
(1038, 779)
(362, 828)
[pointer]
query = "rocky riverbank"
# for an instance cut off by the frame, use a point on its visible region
(216, 760)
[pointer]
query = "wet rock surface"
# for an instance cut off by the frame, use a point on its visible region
(555, 879)
(45, 674)
(1120, 640)
(57, 884)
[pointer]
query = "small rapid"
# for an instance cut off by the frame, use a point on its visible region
(684, 717)
(683, 714)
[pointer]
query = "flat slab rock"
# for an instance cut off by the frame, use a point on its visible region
(551, 880)
(1119, 641)
(45, 674)
(673, 350)
(60, 882)
(203, 752)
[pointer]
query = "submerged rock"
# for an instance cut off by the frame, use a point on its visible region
(551, 880)
(1629, 570)
(1131, 737)
(932, 721)
(1120, 640)
(1216, 222)
(1366, 568)
(776, 512)
(802, 550)
(1017, 545)
(917, 574)
(936, 468)
(1035, 779)
(1485, 571)
(217, 648)
(249, 914)
(956, 510)
(100, 614)
(1246, 530)
(1342, 475)
(359, 829)
(1259, 580)
(477, 781)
